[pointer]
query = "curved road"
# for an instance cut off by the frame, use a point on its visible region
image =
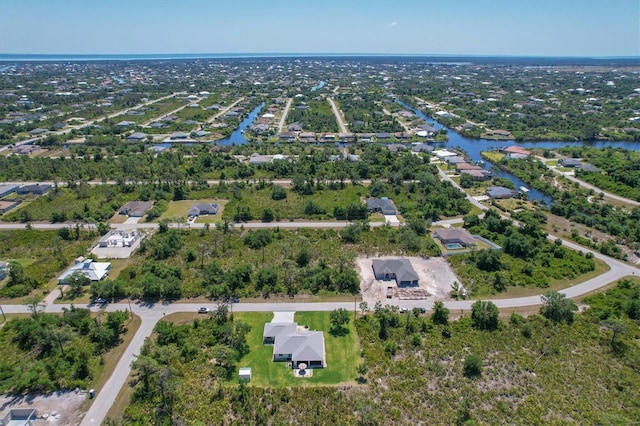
(592, 187)
(150, 314)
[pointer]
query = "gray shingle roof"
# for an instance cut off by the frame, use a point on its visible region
(385, 205)
(401, 268)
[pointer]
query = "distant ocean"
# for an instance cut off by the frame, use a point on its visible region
(450, 59)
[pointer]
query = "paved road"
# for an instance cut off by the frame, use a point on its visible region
(334, 107)
(594, 188)
(150, 314)
(224, 111)
(284, 115)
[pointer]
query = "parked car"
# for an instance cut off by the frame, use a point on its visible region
(100, 301)
(203, 310)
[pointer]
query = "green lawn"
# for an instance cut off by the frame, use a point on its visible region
(342, 353)
(180, 209)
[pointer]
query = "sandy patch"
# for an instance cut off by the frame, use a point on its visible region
(66, 406)
(435, 277)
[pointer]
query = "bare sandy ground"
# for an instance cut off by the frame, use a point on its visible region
(65, 405)
(434, 274)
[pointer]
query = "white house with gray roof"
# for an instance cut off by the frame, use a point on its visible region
(455, 236)
(399, 270)
(382, 205)
(290, 344)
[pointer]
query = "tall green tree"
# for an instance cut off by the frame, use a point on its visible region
(557, 308)
(484, 315)
(440, 313)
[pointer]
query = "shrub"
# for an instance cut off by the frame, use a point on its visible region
(472, 366)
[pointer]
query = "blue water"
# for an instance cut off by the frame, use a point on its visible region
(473, 147)
(237, 137)
(318, 86)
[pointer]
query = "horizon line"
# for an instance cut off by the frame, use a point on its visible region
(312, 54)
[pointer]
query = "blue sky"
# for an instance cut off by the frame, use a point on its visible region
(457, 27)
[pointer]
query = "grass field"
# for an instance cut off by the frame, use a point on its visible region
(342, 353)
(180, 209)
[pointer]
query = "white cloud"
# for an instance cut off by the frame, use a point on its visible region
(392, 24)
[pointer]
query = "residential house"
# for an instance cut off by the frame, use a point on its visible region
(569, 162)
(273, 329)
(307, 137)
(295, 346)
(135, 208)
(466, 166)
(455, 236)
(126, 123)
(499, 132)
(588, 168)
(137, 137)
(422, 147)
(455, 159)
(514, 149)
(364, 137)
(346, 137)
(259, 159)
(287, 136)
(382, 205)
(383, 136)
(301, 347)
(399, 270)
(36, 189)
(6, 205)
(499, 192)
(295, 127)
(202, 209)
(7, 189)
(119, 239)
(477, 174)
(158, 125)
(95, 271)
(396, 147)
(38, 131)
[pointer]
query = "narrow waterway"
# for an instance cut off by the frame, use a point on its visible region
(473, 148)
(237, 137)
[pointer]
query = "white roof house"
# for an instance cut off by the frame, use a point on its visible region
(95, 271)
(289, 344)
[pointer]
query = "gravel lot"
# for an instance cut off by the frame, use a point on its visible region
(66, 405)
(434, 274)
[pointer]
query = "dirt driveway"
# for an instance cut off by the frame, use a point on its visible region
(435, 277)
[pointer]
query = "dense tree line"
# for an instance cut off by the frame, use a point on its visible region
(526, 257)
(583, 206)
(164, 371)
(48, 352)
(620, 169)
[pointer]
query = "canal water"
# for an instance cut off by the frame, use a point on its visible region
(237, 137)
(473, 148)
(318, 86)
